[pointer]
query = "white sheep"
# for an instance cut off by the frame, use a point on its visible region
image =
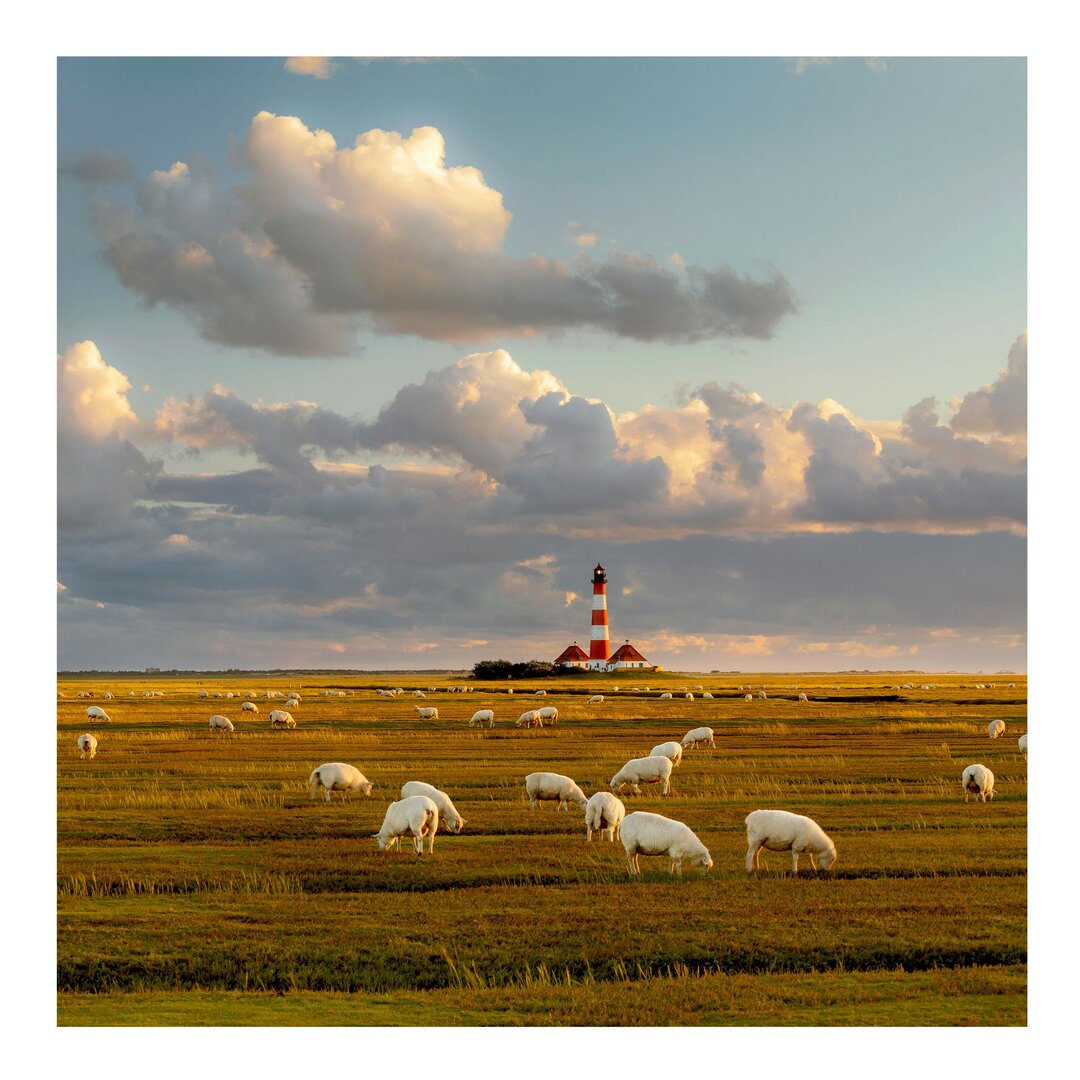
(108, 695)
(688, 696)
(697, 736)
(706, 695)
(1022, 743)
(644, 770)
(215, 694)
(802, 697)
(96, 712)
(447, 811)
(203, 694)
(249, 706)
(978, 780)
(596, 699)
(292, 703)
(529, 718)
(665, 697)
(381, 693)
(762, 695)
(778, 830)
(483, 718)
(653, 834)
(337, 776)
(553, 786)
(84, 694)
(87, 745)
(540, 693)
(603, 814)
(221, 723)
(550, 714)
(281, 718)
(995, 728)
(426, 712)
(748, 697)
(417, 816)
(671, 750)
(419, 693)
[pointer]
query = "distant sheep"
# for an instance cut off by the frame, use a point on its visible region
(417, 816)
(540, 693)
(707, 695)
(419, 693)
(653, 834)
(645, 770)
(107, 695)
(447, 811)
(802, 697)
(529, 718)
(778, 830)
(221, 723)
(978, 780)
(670, 750)
(385, 693)
(281, 718)
(550, 714)
(1022, 743)
(748, 697)
(292, 703)
(426, 712)
(665, 697)
(762, 695)
(995, 728)
(87, 745)
(337, 776)
(249, 706)
(96, 712)
(688, 696)
(483, 718)
(697, 737)
(603, 814)
(549, 786)
(203, 694)
(84, 694)
(596, 699)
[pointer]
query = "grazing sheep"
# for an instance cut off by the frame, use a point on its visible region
(96, 712)
(995, 728)
(417, 816)
(419, 693)
(454, 821)
(483, 718)
(1012, 686)
(84, 694)
(644, 770)
(215, 694)
(762, 695)
(87, 745)
(671, 750)
(553, 786)
(540, 693)
(1022, 743)
(530, 718)
(221, 723)
(748, 697)
(697, 736)
(281, 718)
(337, 776)
(384, 693)
(978, 780)
(665, 697)
(688, 696)
(426, 712)
(778, 830)
(802, 697)
(108, 695)
(596, 699)
(292, 703)
(550, 714)
(203, 694)
(653, 834)
(510, 690)
(603, 814)
(249, 706)
(706, 695)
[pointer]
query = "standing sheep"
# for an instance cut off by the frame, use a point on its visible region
(454, 821)
(802, 697)
(221, 723)
(550, 714)
(688, 696)
(597, 699)
(553, 786)
(603, 814)
(249, 706)
(748, 697)
(540, 693)
(706, 696)
(417, 816)
(426, 712)
(529, 718)
(670, 750)
(665, 697)
(337, 776)
(778, 830)
(697, 737)
(1022, 743)
(280, 718)
(96, 712)
(762, 695)
(978, 780)
(995, 728)
(87, 745)
(653, 834)
(483, 718)
(645, 770)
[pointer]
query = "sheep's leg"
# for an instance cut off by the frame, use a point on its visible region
(813, 859)
(588, 832)
(752, 858)
(327, 793)
(431, 843)
(794, 861)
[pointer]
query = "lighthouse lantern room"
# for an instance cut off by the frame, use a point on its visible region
(600, 658)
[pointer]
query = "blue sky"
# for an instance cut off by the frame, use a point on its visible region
(889, 197)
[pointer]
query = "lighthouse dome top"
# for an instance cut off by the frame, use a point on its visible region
(599, 574)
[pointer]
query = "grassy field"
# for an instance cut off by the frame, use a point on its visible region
(199, 884)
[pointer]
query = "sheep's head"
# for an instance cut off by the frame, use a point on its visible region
(366, 789)
(704, 860)
(454, 825)
(381, 840)
(827, 859)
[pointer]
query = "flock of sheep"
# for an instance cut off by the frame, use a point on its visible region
(421, 807)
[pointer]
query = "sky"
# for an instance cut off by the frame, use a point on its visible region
(366, 363)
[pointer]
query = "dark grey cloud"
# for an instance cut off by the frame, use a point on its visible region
(97, 165)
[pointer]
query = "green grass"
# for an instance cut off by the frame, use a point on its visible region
(198, 883)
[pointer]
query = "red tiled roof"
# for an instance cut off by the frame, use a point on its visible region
(626, 653)
(571, 652)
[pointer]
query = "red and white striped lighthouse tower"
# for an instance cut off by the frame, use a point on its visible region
(599, 648)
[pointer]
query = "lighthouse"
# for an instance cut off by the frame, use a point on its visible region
(599, 647)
